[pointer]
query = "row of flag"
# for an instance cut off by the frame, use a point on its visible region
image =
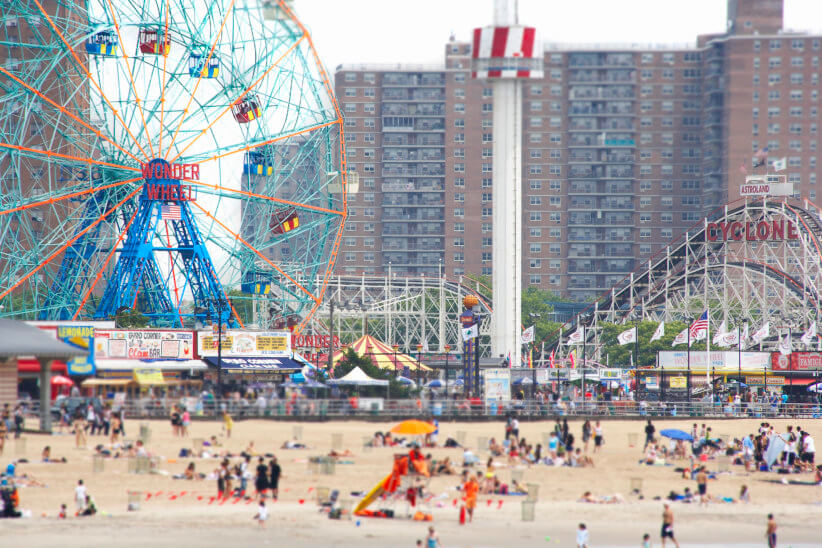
(698, 331)
(760, 158)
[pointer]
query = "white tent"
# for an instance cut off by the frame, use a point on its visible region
(357, 377)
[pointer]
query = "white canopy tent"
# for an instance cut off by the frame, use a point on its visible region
(357, 377)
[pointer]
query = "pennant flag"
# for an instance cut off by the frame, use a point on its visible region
(469, 333)
(627, 337)
(681, 338)
(576, 337)
(425, 345)
(726, 339)
(781, 164)
(785, 345)
(572, 355)
(528, 335)
(723, 328)
(745, 334)
(762, 333)
(552, 362)
(810, 335)
(699, 329)
(659, 333)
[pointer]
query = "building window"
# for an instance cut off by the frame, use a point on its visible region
(459, 167)
(459, 242)
(535, 216)
(487, 211)
(459, 227)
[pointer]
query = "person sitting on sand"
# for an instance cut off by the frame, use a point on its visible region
(46, 455)
(580, 460)
(518, 488)
(444, 467)
(745, 494)
(339, 454)
(495, 448)
(91, 508)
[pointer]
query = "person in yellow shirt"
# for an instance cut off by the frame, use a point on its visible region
(229, 423)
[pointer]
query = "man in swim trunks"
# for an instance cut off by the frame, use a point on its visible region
(770, 532)
(668, 526)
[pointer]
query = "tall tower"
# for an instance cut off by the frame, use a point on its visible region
(505, 54)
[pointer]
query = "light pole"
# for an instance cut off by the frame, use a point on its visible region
(396, 347)
(330, 336)
(419, 363)
(688, 380)
(447, 349)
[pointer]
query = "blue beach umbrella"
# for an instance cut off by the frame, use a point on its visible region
(675, 434)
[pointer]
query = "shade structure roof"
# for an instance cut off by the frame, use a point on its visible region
(358, 377)
(20, 339)
(381, 354)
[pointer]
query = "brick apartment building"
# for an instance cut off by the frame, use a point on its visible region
(624, 149)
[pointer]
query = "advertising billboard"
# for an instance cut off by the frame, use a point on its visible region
(246, 343)
(497, 384)
(79, 336)
(717, 361)
(797, 361)
(143, 344)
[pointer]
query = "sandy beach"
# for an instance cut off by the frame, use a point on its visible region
(170, 518)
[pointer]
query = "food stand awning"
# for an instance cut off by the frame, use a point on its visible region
(26, 365)
(261, 364)
(164, 365)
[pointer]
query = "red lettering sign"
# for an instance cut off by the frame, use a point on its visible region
(751, 231)
(172, 172)
(169, 193)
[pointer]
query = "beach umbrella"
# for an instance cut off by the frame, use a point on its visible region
(436, 383)
(523, 380)
(60, 380)
(459, 382)
(413, 427)
(675, 434)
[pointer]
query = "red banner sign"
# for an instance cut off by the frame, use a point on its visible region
(797, 361)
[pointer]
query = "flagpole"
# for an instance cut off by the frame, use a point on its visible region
(636, 358)
(688, 383)
(739, 350)
(710, 373)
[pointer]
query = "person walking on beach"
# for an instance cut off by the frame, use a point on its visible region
(432, 540)
(261, 479)
(770, 532)
(582, 536)
(80, 497)
(470, 488)
(702, 486)
(668, 525)
(586, 434)
(597, 437)
(274, 473)
(262, 514)
(649, 434)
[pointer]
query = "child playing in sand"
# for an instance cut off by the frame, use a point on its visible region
(582, 536)
(432, 540)
(262, 514)
(229, 423)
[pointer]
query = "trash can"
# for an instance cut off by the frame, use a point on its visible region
(328, 466)
(145, 433)
(528, 510)
(323, 495)
(336, 440)
(97, 463)
(143, 465)
(533, 492)
(633, 439)
(197, 445)
(297, 432)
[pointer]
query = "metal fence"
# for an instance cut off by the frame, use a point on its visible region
(451, 409)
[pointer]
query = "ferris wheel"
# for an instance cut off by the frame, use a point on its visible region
(181, 158)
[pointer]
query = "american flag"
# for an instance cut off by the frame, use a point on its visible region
(170, 212)
(699, 329)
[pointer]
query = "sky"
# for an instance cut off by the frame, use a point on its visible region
(415, 31)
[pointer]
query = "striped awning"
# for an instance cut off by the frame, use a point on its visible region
(381, 354)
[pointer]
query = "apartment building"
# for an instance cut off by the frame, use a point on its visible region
(624, 148)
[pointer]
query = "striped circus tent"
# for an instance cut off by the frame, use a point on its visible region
(381, 354)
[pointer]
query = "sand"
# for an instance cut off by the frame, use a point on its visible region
(187, 521)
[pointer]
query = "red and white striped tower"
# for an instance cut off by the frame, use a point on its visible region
(506, 54)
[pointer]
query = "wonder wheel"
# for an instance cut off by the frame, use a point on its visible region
(182, 158)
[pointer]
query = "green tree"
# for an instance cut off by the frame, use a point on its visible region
(536, 311)
(351, 359)
(129, 318)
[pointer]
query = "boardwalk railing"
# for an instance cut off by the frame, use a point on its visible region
(378, 407)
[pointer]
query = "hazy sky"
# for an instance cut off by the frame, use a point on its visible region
(415, 31)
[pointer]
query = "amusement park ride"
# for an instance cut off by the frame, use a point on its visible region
(156, 155)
